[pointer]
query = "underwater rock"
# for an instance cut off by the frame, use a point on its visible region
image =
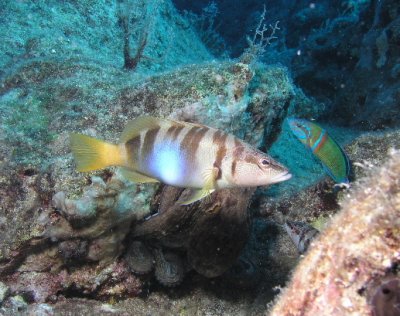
(54, 220)
(101, 207)
(212, 232)
(103, 214)
(139, 258)
(104, 282)
(4, 290)
(358, 248)
(385, 297)
(169, 268)
(244, 274)
(14, 305)
(73, 250)
(38, 286)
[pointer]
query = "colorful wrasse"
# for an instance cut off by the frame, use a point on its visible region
(301, 234)
(323, 146)
(180, 154)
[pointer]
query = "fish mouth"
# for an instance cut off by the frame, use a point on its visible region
(282, 177)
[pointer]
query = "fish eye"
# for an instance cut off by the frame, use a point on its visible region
(264, 162)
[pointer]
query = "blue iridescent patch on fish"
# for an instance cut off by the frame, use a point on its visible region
(165, 163)
(299, 129)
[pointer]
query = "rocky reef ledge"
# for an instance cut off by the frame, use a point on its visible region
(352, 269)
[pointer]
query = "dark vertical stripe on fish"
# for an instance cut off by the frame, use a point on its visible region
(219, 139)
(238, 150)
(170, 131)
(177, 131)
(190, 143)
(132, 148)
(233, 168)
(148, 143)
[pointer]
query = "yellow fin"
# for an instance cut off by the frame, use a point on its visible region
(93, 154)
(136, 177)
(209, 184)
(195, 195)
(209, 178)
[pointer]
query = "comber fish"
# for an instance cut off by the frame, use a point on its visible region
(179, 154)
(324, 147)
(301, 234)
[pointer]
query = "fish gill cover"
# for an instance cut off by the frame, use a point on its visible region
(97, 243)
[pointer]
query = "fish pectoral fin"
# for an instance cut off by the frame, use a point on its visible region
(209, 184)
(210, 177)
(136, 177)
(195, 195)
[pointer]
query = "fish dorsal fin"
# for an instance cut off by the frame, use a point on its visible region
(191, 124)
(183, 123)
(136, 177)
(134, 127)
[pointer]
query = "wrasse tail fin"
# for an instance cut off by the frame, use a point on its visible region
(136, 177)
(93, 154)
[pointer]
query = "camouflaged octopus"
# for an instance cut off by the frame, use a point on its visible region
(207, 236)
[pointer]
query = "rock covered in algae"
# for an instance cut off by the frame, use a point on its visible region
(63, 232)
(211, 233)
(139, 258)
(357, 253)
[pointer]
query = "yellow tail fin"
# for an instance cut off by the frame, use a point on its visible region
(93, 154)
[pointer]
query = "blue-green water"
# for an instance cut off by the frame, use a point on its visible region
(95, 243)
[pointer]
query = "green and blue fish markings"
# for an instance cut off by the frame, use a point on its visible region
(324, 147)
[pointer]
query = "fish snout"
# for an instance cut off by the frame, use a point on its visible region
(281, 173)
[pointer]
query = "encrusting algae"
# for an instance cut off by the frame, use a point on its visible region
(180, 154)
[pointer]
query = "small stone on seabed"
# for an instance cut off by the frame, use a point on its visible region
(3, 292)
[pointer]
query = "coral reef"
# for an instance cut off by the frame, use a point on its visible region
(329, 47)
(93, 243)
(360, 247)
(67, 233)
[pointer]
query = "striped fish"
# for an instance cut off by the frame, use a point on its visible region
(301, 234)
(179, 154)
(324, 147)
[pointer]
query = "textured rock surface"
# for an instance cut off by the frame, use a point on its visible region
(358, 249)
(66, 237)
(57, 224)
(3, 292)
(212, 233)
